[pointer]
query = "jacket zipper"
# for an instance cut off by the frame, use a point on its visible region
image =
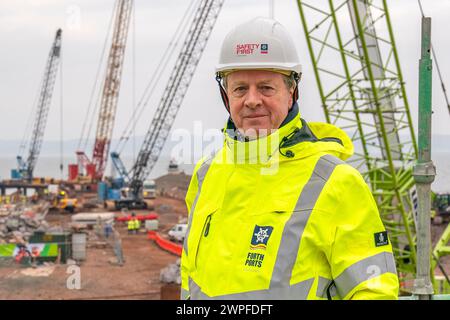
(204, 234)
(207, 224)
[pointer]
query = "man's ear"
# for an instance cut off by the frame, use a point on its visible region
(291, 98)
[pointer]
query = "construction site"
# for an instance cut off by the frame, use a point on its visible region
(104, 228)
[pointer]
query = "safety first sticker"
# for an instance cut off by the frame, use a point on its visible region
(244, 49)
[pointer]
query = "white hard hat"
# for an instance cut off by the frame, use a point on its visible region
(260, 43)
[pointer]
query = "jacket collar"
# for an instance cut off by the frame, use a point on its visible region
(261, 149)
(294, 139)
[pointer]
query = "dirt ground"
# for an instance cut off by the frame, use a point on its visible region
(138, 278)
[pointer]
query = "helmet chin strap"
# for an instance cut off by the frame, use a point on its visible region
(297, 78)
(223, 93)
(226, 102)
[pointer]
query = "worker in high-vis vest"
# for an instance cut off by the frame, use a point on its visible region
(276, 213)
(131, 226)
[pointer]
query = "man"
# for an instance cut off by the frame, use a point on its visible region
(134, 224)
(277, 213)
(131, 224)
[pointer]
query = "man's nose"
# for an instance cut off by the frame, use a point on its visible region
(253, 98)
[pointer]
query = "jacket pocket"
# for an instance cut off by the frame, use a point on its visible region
(278, 208)
(204, 234)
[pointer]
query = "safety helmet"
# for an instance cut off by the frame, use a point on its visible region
(259, 44)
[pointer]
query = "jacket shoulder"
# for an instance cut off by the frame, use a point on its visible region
(203, 165)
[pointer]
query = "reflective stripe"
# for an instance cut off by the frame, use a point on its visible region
(298, 291)
(294, 227)
(364, 270)
(201, 174)
(322, 288)
(184, 294)
(280, 287)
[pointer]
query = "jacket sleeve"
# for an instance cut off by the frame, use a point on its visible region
(190, 197)
(361, 259)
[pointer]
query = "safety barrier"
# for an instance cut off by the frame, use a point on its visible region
(150, 216)
(165, 244)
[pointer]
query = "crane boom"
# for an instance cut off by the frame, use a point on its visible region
(26, 168)
(110, 92)
(365, 95)
(178, 83)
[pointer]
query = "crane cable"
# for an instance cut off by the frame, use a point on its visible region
(437, 65)
(61, 116)
(149, 90)
(133, 92)
(27, 133)
(155, 78)
(28, 128)
(90, 115)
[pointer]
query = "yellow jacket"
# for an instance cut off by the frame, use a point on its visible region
(133, 224)
(292, 222)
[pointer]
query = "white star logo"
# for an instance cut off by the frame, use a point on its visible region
(261, 235)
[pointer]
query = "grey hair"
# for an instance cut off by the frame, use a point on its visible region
(289, 81)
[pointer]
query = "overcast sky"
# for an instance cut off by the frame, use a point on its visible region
(28, 28)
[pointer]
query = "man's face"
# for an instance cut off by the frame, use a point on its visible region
(259, 101)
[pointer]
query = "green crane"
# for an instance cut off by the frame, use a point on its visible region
(357, 69)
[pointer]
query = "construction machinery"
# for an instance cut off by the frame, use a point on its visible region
(365, 95)
(196, 39)
(95, 168)
(149, 189)
(63, 203)
(26, 167)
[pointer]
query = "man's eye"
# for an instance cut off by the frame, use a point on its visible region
(239, 91)
(267, 89)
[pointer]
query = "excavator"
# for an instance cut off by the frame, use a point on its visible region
(63, 203)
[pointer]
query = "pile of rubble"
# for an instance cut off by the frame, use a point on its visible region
(171, 273)
(173, 185)
(19, 222)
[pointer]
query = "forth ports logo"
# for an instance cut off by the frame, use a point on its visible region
(260, 237)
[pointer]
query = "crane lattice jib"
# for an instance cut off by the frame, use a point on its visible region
(45, 98)
(120, 167)
(111, 87)
(178, 83)
(357, 69)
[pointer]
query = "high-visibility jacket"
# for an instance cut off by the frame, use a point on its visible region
(292, 221)
(137, 224)
(131, 224)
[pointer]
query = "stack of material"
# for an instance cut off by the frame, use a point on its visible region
(171, 273)
(173, 185)
(93, 218)
(18, 223)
